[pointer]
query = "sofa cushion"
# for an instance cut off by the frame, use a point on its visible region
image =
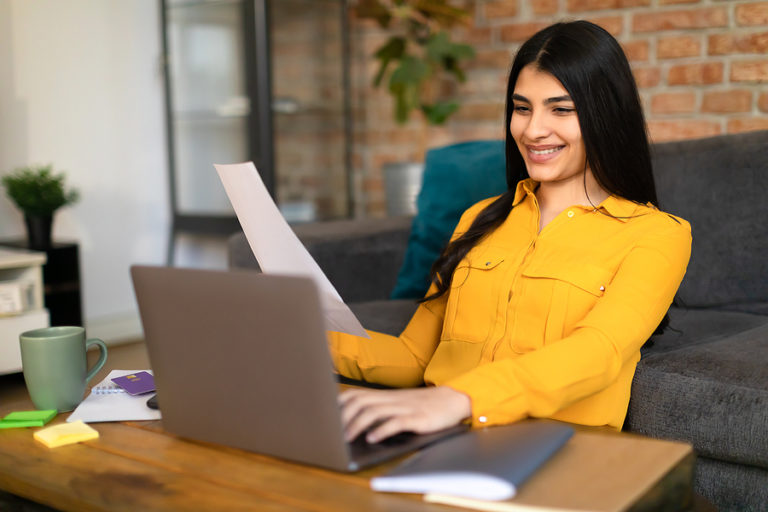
(387, 316)
(714, 395)
(455, 178)
(731, 487)
(718, 184)
(693, 326)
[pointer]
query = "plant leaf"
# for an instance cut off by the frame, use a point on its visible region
(373, 9)
(393, 49)
(411, 71)
(444, 14)
(439, 112)
(37, 191)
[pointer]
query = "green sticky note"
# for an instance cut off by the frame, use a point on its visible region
(21, 419)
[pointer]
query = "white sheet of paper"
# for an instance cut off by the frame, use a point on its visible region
(114, 406)
(274, 244)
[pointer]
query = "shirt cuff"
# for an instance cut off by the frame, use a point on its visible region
(493, 402)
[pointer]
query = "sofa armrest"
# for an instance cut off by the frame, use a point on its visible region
(360, 257)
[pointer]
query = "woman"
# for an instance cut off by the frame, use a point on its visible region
(541, 301)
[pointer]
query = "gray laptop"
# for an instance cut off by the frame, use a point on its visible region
(241, 359)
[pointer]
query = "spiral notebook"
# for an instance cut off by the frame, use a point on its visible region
(109, 402)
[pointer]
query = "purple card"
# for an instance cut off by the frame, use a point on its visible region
(136, 383)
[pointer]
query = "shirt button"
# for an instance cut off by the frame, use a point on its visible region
(487, 263)
(570, 213)
(602, 288)
(482, 419)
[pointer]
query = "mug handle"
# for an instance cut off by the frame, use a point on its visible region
(102, 357)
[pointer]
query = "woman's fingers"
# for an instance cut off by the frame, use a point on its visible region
(371, 417)
(385, 413)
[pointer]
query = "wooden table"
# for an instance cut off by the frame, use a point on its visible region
(136, 466)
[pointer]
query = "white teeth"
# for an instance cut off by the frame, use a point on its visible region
(546, 151)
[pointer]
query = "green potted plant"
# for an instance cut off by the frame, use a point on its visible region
(418, 54)
(38, 193)
(415, 61)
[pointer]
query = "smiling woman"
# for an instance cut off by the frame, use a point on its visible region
(543, 297)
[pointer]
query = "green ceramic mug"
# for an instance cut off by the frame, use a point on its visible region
(55, 368)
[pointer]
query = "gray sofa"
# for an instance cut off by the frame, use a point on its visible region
(705, 380)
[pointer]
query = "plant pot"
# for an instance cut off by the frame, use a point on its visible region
(402, 183)
(38, 231)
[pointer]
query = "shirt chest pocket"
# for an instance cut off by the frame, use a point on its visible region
(475, 303)
(572, 290)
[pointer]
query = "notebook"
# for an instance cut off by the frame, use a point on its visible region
(106, 403)
(241, 359)
(485, 464)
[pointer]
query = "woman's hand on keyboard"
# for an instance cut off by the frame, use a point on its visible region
(387, 412)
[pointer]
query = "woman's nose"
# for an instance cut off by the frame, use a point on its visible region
(537, 127)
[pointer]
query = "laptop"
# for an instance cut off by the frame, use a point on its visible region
(241, 359)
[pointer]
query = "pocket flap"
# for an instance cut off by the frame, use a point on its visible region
(485, 260)
(590, 278)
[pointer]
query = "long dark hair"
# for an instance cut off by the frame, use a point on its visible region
(592, 67)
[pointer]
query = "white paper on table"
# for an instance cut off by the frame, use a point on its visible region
(274, 244)
(114, 406)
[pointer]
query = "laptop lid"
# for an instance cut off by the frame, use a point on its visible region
(241, 359)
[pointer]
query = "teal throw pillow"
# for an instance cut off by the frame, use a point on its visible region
(455, 178)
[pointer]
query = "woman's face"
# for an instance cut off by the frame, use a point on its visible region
(546, 128)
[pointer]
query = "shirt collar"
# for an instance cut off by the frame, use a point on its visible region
(617, 207)
(525, 188)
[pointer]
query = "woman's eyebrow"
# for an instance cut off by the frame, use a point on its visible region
(555, 99)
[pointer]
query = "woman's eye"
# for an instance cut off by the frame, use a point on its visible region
(564, 110)
(522, 109)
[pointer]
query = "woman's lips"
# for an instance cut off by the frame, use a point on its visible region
(541, 154)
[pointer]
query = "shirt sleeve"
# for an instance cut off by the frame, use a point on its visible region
(398, 361)
(544, 381)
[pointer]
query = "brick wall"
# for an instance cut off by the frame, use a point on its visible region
(701, 65)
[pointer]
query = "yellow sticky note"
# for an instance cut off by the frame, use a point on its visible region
(66, 433)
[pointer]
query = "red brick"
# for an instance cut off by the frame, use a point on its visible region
(491, 59)
(373, 185)
(518, 32)
(477, 36)
(636, 50)
(647, 77)
(707, 73)
(597, 5)
(676, 20)
(723, 44)
(676, 47)
(750, 124)
(480, 112)
(682, 129)
(750, 71)
(752, 14)
(613, 24)
(376, 208)
(673, 103)
(727, 101)
(667, 2)
(481, 132)
(543, 7)
(500, 9)
(762, 102)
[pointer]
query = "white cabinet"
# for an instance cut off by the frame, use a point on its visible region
(21, 302)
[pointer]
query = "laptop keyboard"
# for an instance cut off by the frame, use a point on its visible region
(360, 447)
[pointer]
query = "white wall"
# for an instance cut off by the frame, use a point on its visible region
(81, 87)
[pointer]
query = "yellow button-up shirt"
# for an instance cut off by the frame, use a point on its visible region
(546, 324)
